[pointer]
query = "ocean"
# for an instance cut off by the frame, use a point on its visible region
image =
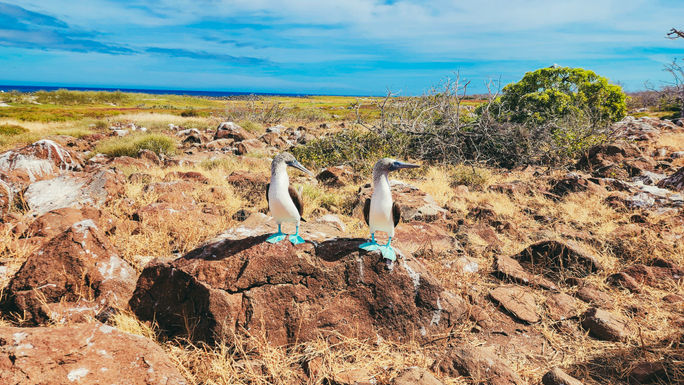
(144, 91)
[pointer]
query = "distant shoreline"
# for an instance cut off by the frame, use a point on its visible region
(23, 88)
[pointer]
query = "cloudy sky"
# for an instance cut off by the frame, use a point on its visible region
(357, 47)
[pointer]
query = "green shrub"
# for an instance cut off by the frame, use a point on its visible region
(131, 145)
(69, 98)
(470, 176)
(251, 126)
(12, 129)
(549, 94)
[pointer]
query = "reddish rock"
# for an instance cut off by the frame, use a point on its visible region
(37, 161)
(274, 139)
(561, 306)
(480, 364)
(673, 298)
(89, 353)
(416, 376)
(57, 221)
(292, 293)
(230, 130)
(567, 257)
(149, 156)
(75, 274)
(574, 183)
(674, 182)
(591, 294)
(357, 376)
(556, 376)
(507, 267)
(6, 197)
(140, 177)
(607, 160)
(250, 185)
(512, 188)
(624, 280)
(177, 191)
(249, 146)
(415, 204)
(336, 176)
(128, 162)
(220, 144)
(605, 325)
(518, 301)
(420, 237)
(192, 176)
(649, 373)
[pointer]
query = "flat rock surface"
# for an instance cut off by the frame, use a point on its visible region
(518, 300)
(90, 353)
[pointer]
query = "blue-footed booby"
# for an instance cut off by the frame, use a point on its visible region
(284, 202)
(380, 213)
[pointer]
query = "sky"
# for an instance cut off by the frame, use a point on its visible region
(344, 47)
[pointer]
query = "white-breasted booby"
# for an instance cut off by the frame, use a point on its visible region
(380, 213)
(284, 202)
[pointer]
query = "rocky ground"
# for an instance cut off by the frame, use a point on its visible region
(154, 269)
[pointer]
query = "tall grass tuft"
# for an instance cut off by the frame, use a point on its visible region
(131, 145)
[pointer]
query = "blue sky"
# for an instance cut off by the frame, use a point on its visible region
(356, 47)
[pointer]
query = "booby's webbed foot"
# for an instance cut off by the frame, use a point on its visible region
(369, 246)
(275, 238)
(388, 252)
(295, 239)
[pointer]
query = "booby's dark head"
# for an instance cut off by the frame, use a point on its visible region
(385, 165)
(287, 159)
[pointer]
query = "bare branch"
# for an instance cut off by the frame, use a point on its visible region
(675, 34)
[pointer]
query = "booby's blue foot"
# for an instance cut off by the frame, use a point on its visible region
(295, 239)
(369, 246)
(275, 238)
(388, 252)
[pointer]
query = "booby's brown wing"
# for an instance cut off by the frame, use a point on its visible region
(297, 200)
(268, 185)
(366, 211)
(396, 213)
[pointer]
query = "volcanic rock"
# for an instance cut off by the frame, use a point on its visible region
(605, 325)
(480, 364)
(292, 293)
(75, 274)
(517, 300)
(416, 376)
(556, 376)
(568, 257)
(90, 353)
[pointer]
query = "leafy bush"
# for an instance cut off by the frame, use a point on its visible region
(549, 94)
(131, 145)
(12, 129)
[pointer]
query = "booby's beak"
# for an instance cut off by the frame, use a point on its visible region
(399, 165)
(299, 166)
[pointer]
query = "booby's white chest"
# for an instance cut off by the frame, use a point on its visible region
(380, 215)
(280, 203)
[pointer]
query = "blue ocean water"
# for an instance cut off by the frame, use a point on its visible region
(143, 90)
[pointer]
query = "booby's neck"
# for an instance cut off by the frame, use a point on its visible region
(279, 174)
(380, 183)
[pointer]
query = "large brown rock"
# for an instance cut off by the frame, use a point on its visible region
(75, 274)
(556, 376)
(76, 190)
(415, 204)
(42, 159)
(481, 364)
(419, 237)
(292, 293)
(567, 257)
(507, 267)
(250, 146)
(674, 181)
(517, 300)
(57, 221)
(605, 325)
(90, 353)
(561, 306)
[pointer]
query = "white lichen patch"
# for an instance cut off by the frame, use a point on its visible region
(116, 268)
(18, 337)
(82, 226)
(77, 374)
(415, 277)
(106, 329)
(436, 314)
